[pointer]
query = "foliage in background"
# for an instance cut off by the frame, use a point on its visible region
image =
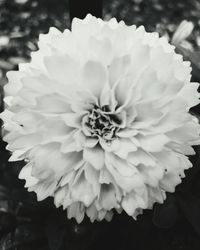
(26, 224)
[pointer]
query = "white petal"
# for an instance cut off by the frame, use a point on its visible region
(118, 68)
(62, 68)
(76, 210)
(92, 176)
(82, 191)
(126, 176)
(52, 104)
(59, 196)
(107, 197)
(73, 119)
(94, 77)
(43, 189)
(141, 157)
(25, 174)
(126, 146)
(94, 156)
(154, 143)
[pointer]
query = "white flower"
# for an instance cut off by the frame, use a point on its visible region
(183, 31)
(101, 115)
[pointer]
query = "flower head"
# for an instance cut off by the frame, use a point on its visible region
(101, 116)
(182, 32)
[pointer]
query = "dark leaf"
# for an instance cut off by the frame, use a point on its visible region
(27, 233)
(5, 206)
(4, 192)
(7, 216)
(23, 235)
(190, 206)
(6, 242)
(165, 215)
(7, 223)
(55, 231)
(26, 205)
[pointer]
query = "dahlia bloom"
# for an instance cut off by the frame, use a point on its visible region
(100, 115)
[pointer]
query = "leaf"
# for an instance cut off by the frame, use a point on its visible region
(85, 236)
(7, 223)
(5, 206)
(165, 215)
(6, 242)
(27, 233)
(4, 192)
(55, 231)
(7, 216)
(23, 235)
(190, 206)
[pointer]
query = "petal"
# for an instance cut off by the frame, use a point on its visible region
(154, 143)
(126, 176)
(43, 189)
(76, 210)
(118, 68)
(17, 155)
(82, 191)
(141, 157)
(59, 196)
(92, 176)
(107, 198)
(52, 104)
(61, 68)
(51, 163)
(14, 82)
(73, 119)
(68, 178)
(189, 94)
(126, 146)
(94, 77)
(85, 28)
(151, 174)
(25, 141)
(126, 133)
(105, 176)
(92, 213)
(100, 50)
(94, 156)
(25, 174)
(133, 201)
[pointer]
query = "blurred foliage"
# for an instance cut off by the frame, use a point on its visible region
(26, 224)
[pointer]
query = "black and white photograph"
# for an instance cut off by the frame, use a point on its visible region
(100, 124)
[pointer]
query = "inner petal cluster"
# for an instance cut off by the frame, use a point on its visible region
(101, 123)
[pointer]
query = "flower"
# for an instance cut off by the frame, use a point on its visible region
(183, 31)
(101, 116)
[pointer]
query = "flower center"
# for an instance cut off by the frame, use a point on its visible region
(102, 123)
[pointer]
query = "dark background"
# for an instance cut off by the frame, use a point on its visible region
(26, 224)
